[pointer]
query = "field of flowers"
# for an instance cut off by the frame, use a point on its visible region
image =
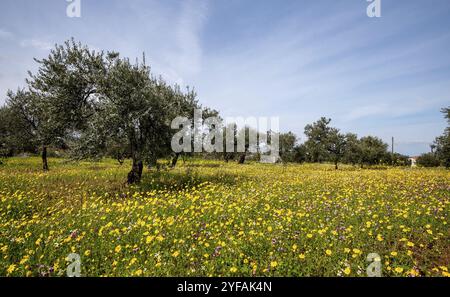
(209, 218)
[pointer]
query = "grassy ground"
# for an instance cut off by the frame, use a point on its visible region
(214, 219)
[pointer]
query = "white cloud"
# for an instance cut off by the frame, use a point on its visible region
(37, 44)
(170, 34)
(5, 34)
(184, 58)
(365, 111)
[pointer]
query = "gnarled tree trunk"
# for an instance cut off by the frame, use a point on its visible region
(175, 160)
(120, 158)
(243, 155)
(44, 158)
(242, 158)
(134, 176)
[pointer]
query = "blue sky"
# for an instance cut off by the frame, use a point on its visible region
(298, 60)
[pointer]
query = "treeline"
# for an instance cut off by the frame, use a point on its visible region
(97, 104)
(440, 149)
(327, 144)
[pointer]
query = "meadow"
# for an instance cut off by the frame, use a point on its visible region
(211, 218)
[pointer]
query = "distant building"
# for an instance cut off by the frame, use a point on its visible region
(413, 161)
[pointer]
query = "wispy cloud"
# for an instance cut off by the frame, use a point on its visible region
(190, 24)
(184, 59)
(365, 111)
(5, 33)
(169, 33)
(37, 44)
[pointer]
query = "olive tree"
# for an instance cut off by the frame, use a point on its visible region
(39, 115)
(61, 96)
(316, 145)
(373, 150)
(336, 143)
(442, 143)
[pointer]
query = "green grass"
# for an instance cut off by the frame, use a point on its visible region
(211, 218)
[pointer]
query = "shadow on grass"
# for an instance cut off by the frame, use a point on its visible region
(205, 165)
(186, 178)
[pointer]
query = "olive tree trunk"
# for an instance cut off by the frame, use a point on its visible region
(44, 158)
(242, 157)
(175, 160)
(135, 174)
